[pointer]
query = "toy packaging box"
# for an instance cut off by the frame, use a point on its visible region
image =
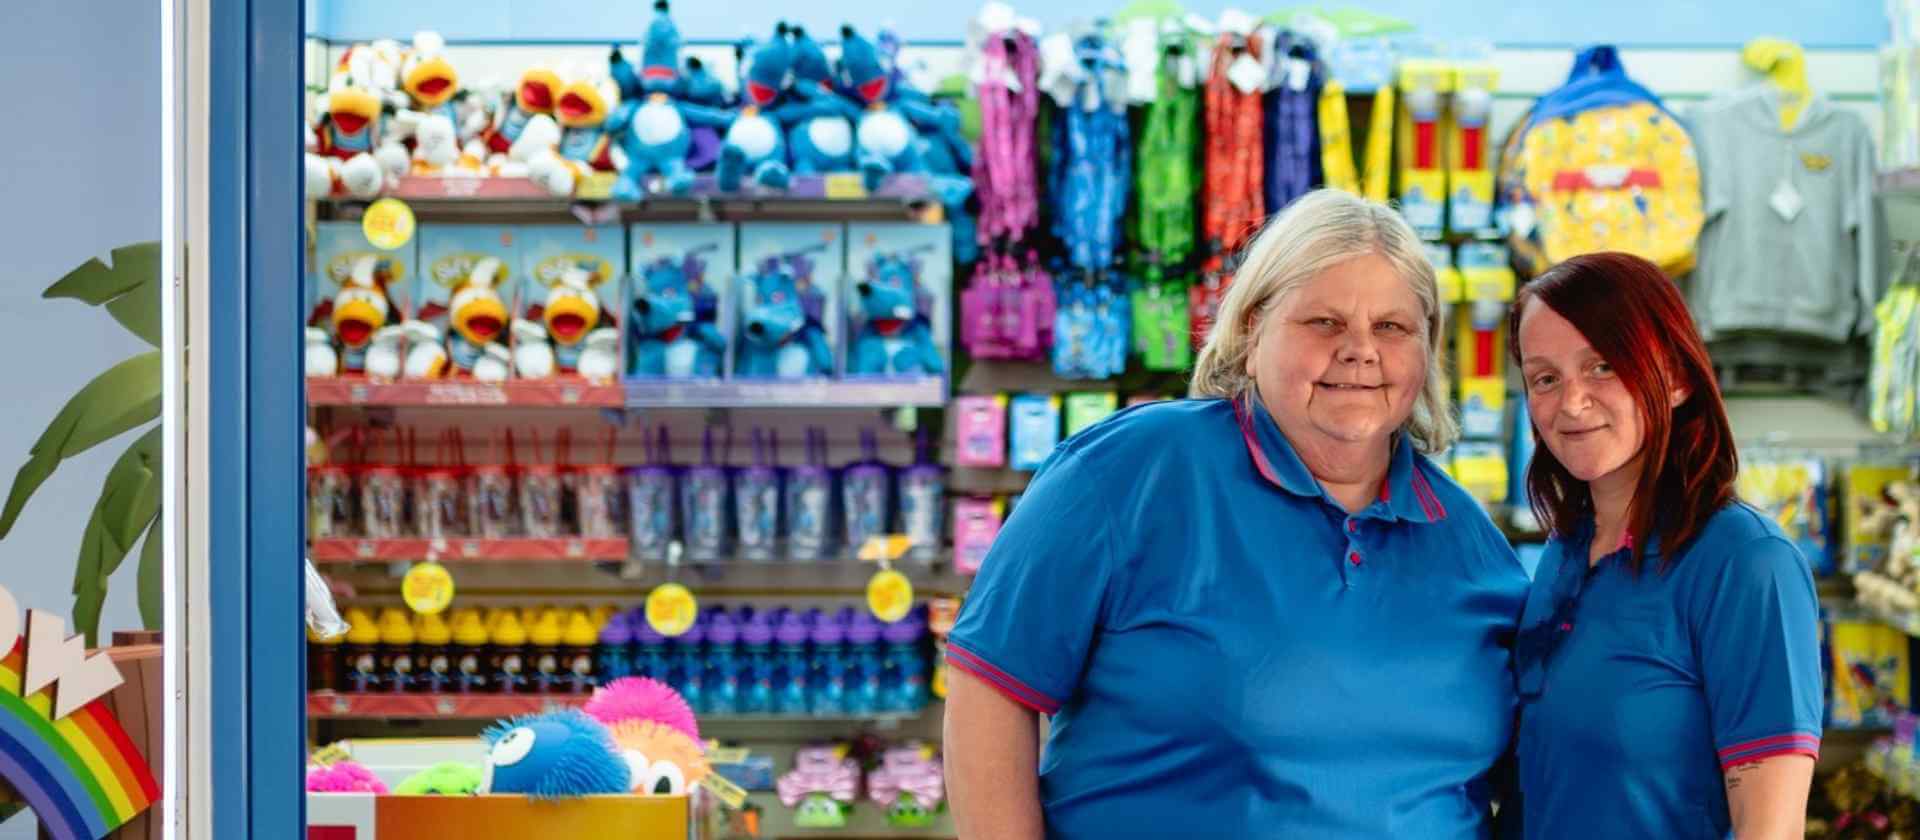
(899, 299)
(358, 296)
(786, 294)
(679, 312)
(573, 294)
(1872, 674)
(1864, 492)
(1793, 491)
(467, 290)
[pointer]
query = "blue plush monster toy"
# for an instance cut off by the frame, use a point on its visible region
(780, 332)
(821, 137)
(556, 755)
(671, 338)
(885, 141)
(896, 337)
(756, 141)
(655, 114)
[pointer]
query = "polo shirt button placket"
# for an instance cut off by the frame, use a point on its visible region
(1355, 560)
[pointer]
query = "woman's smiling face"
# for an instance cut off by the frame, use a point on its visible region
(1585, 415)
(1342, 357)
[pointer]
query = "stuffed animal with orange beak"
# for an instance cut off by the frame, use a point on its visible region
(572, 315)
(359, 312)
(585, 146)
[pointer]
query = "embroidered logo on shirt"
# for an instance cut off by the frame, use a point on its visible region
(1815, 162)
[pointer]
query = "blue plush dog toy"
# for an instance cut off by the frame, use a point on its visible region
(557, 755)
(672, 337)
(780, 332)
(896, 337)
(655, 112)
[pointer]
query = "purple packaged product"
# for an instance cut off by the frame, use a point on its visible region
(756, 498)
(703, 503)
(650, 500)
(980, 431)
(866, 490)
(809, 502)
(923, 490)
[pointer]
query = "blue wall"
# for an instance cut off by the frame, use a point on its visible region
(82, 179)
(1847, 23)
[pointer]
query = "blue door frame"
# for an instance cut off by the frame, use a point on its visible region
(256, 421)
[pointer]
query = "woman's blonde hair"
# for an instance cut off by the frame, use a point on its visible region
(1316, 232)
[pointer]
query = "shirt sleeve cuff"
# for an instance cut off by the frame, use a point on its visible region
(1760, 749)
(1001, 681)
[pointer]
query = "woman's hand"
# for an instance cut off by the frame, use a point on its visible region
(1768, 798)
(992, 746)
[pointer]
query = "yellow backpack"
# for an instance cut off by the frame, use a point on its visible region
(1599, 164)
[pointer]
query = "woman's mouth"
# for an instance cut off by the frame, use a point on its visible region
(1347, 387)
(1579, 434)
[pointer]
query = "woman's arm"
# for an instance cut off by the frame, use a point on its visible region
(1768, 798)
(992, 748)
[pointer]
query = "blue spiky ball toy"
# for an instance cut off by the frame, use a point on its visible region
(556, 755)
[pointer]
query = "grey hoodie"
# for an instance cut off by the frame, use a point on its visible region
(1814, 274)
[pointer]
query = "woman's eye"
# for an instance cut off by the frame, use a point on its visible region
(1393, 327)
(1323, 323)
(1542, 381)
(1602, 369)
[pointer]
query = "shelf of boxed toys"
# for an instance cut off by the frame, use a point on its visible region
(330, 705)
(509, 200)
(467, 550)
(575, 392)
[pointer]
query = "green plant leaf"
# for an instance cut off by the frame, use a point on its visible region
(130, 288)
(129, 502)
(151, 572)
(127, 395)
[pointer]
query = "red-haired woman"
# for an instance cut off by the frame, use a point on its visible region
(1668, 663)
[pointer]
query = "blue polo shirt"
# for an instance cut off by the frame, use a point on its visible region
(1227, 653)
(1640, 691)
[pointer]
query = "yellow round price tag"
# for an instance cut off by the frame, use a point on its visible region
(427, 588)
(388, 223)
(889, 595)
(671, 609)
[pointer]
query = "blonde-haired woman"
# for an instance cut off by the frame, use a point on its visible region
(1259, 612)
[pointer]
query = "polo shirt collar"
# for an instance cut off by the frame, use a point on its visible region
(1406, 495)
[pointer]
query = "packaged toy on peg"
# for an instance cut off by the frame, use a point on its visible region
(1093, 328)
(1792, 490)
(976, 522)
(360, 296)
(980, 431)
(923, 491)
(1036, 429)
(703, 501)
(1091, 164)
(681, 310)
(1008, 310)
(468, 287)
(867, 495)
(910, 784)
(1424, 85)
(650, 501)
(1469, 158)
(600, 497)
(568, 311)
(899, 309)
(809, 502)
(790, 280)
(756, 498)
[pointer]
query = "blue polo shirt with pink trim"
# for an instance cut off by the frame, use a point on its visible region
(1226, 652)
(1640, 691)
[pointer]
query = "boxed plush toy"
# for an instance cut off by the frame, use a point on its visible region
(359, 297)
(679, 316)
(899, 299)
(569, 321)
(469, 281)
(789, 281)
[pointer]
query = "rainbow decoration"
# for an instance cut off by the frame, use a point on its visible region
(81, 775)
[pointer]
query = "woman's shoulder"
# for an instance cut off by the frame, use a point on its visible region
(1739, 541)
(1149, 429)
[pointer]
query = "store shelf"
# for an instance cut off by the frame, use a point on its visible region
(808, 393)
(457, 198)
(328, 705)
(564, 549)
(564, 392)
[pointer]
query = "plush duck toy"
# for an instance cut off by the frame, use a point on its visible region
(656, 732)
(321, 360)
(571, 313)
(556, 755)
(584, 105)
(384, 353)
(523, 124)
(670, 338)
(653, 123)
(359, 310)
(476, 318)
(340, 160)
(895, 337)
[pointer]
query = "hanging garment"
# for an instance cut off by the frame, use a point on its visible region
(1165, 222)
(1005, 174)
(1093, 161)
(1292, 122)
(1235, 201)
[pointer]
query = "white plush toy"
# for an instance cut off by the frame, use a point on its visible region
(495, 364)
(532, 355)
(321, 358)
(436, 148)
(600, 359)
(427, 356)
(384, 356)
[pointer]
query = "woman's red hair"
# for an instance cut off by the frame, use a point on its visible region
(1636, 320)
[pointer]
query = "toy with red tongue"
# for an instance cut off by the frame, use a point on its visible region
(570, 319)
(895, 336)
(359, 314)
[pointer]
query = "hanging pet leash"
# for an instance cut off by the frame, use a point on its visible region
(1005, 176)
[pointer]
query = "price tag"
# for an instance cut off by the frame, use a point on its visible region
(889, 595)
(597, 186)
(845, 185)
(885, 549)
(427, 588)
(727, 755)
(388, 224)
(671, 609)
(729, 794)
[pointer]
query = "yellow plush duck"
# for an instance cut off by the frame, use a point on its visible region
(581, 109)
(361, 307)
